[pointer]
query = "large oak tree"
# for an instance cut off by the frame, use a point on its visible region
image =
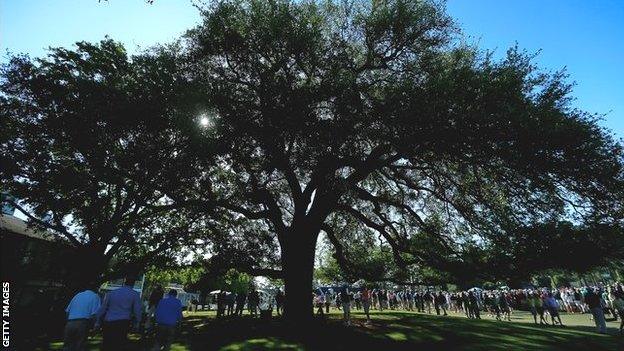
(317, 114)
(279, 120)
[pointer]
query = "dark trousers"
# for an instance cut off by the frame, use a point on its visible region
(220, 309)
(115, 335)
(319, 309)
(240, 307)
(76, 333)
(253, 308)
(164, 337)
(476, 311)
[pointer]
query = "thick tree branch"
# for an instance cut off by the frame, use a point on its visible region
(58, 227)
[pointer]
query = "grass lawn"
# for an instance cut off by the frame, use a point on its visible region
(390, 330)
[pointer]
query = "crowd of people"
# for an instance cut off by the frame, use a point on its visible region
(543, 304)
(122, 309)
(233, 304)
(120, 312)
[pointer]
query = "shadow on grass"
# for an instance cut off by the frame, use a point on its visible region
(392, 331)
(388, 331)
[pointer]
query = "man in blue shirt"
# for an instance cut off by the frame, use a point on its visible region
(81, 312)
(120, 307)
(168, 314)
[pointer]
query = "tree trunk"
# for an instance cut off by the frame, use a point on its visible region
(298, 252)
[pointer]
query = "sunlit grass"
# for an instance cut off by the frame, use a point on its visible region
(389, 330)
(263, 344)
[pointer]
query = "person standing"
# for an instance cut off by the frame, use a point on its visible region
(533, 301)
(231, 299)
(436, 303)
(466, 303)
(121, 307)
(252, 302)
(189, 306)
(442, 303)
(279, 301)
(428, 297)
(319, 300)
(552, 305)
(345, 300)
(374, 299)
(383, 298)
(240, 303)
(492, 302)
(505, 307)
(221, 303)
(420, 302)
(618, 304)
(81, 312)
(474, 305)
(540, 309)
(595, 306)
(154, 299)
(328, 296)
(357, 299)
(579, 306)
(168, 314)
(366, 302)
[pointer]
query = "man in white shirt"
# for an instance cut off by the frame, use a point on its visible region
(81, 313)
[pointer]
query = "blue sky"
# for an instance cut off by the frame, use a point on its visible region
(586, 36)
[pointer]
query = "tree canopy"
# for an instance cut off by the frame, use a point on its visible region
(84, 139)
(283, 119)
(374, 116)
